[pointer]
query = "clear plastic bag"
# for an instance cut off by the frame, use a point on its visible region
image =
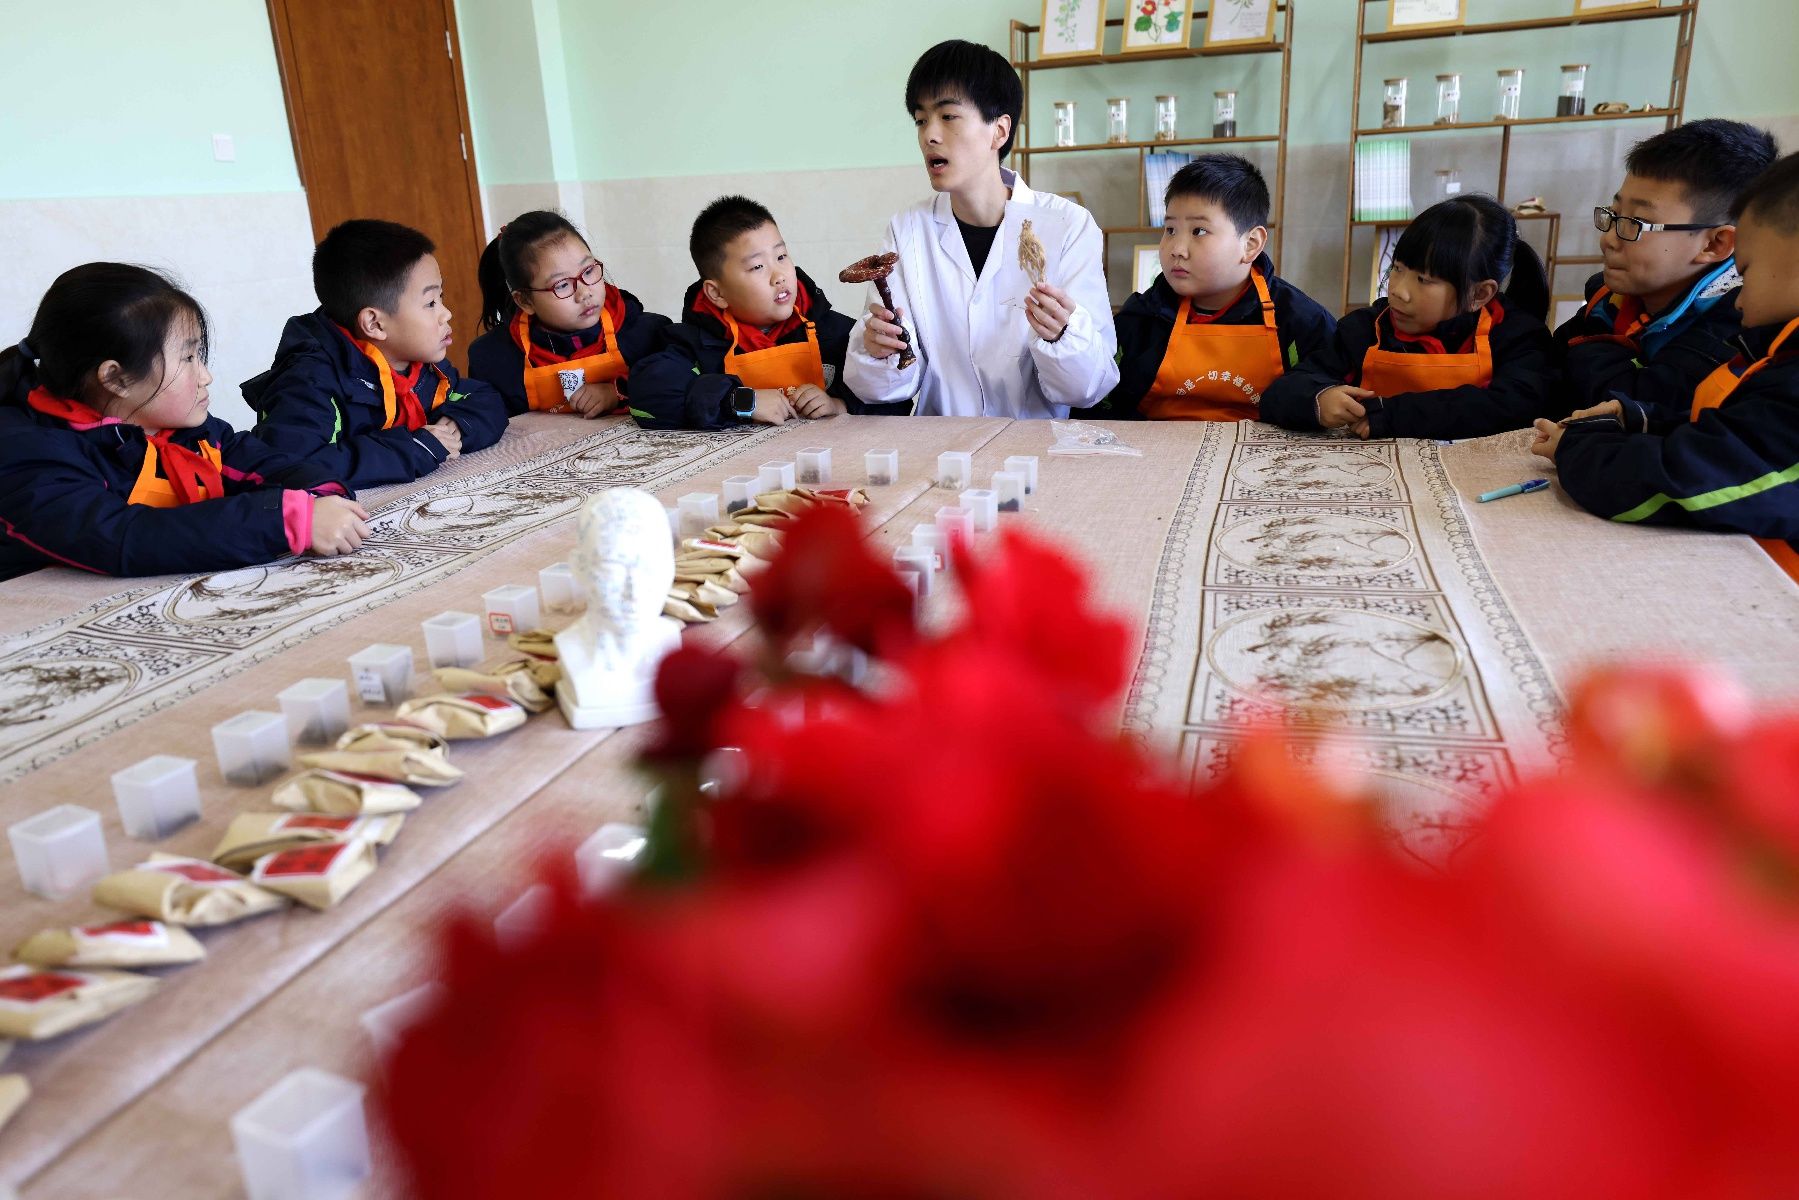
(1083, 437)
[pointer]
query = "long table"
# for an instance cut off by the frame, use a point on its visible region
(1502, 605)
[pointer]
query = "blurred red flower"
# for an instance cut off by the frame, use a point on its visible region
(949, 935)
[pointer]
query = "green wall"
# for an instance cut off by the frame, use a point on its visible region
(720, 85)
(122, 97)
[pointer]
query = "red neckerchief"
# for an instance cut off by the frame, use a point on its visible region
(1431, 344)
(1197, 317)
(191, 475)
(749, 337)
(542, 356)
(1628, 317)
(77, 414)
(407, 409)
(406, 400)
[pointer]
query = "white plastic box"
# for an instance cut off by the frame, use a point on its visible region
(382, 673)
(252, 747)
(740, 492)
(303, 1139)
(957, 524)
(882, 466)
(919, 562)
(510, 609)
(1009, 486)
(777, 476)
(933, 539)
(815, 466)
(317, 710)
(1026, 465)
(453, 639)
(606, 858)
(699, 512)
(157, 796)
(983, 503)
(59, 851)
(556, 584)
(955, 469)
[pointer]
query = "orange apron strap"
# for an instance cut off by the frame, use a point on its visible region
(1783, 554)
(1716, 388)
(1255, 277)
(1483, 343)
(150, 488)
(389, 402)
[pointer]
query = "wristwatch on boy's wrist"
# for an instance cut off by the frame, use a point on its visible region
(743, 403)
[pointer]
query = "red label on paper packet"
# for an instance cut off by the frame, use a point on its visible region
(305, 861)
(193, 872)
(37, 987)
(317, 821)
(122, 929)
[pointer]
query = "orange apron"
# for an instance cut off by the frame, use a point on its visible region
(1213, 372)
(783, 366)
(1392, 373)
(545, 388)
(157, 492)
(1714, 390)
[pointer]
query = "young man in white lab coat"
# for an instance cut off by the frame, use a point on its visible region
(988, 342)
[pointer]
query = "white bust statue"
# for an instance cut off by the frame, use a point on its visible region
(624, 563)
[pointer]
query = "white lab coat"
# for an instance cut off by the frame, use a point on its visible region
(977, 355)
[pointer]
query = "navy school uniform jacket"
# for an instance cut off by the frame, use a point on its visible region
(684, 386)
(321, 400)
(1736, 468)
(1147, 319)
(495, 359)
(1654, 371)
(1521, 390)
(64, 487)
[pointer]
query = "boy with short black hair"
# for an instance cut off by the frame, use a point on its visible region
(1735, 465)
(1217, 326)
(362, 386)
(1660, 317)
(757, 341)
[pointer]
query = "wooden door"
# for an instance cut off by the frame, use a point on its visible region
(381, 127)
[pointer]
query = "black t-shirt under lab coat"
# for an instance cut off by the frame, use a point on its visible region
(979, 240)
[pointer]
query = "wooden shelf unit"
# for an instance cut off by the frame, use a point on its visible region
(1686, 13)
(1022, 35)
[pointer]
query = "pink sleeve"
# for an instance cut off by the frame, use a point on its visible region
(296, 519)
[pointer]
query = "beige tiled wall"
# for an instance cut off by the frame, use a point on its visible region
(246, 258)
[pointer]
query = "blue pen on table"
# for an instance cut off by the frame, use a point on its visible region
(1517, 489)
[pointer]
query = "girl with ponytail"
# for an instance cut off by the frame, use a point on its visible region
(109, 461)
(1456, 349)
(559, 336)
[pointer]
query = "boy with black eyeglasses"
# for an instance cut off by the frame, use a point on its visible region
(1661, 316)
(1733, 463)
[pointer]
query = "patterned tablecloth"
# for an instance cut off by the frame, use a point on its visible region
(1335, 586)
(72, 681)
(1416, 636)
